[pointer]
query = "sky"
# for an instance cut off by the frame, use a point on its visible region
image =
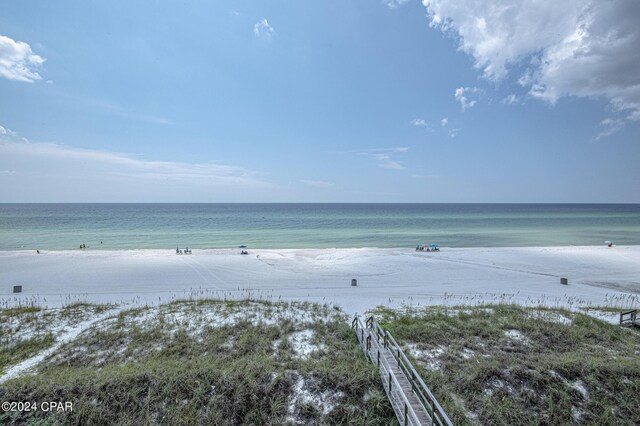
(533, 101)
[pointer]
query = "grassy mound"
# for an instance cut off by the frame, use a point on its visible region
(209, 362)
(505, 364)
(28, 330)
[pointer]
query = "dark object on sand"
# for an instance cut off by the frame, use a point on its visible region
(17, 289)
(354, 282)
(564, 281)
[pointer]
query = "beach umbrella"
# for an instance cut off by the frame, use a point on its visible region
(242, 246)
(434, 245)
(607, 242)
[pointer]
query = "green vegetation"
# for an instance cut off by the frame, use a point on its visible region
(80, 309)
(23, 349)
(25, 331)
(17, 342)
(249, 362)
(209, 362)
(504, 364)
(602, 309)
(14, 312)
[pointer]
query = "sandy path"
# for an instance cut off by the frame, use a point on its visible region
(68, 335)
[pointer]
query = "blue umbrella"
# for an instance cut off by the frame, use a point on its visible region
(242, 246)
(434, 245)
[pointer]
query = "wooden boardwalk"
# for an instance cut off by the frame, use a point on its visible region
(411, 399)
(630, 318)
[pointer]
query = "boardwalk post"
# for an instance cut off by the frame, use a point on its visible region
(389, 382)
(398, 353)
(386, 343)
(369, 342)
(378, 358)
(406, 414)
(629, 318)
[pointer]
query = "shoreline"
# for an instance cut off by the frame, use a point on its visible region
(598, 275)
(234, 249)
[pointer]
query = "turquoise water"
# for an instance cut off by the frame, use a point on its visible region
(155, 226)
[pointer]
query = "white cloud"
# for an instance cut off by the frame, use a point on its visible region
(5, 131)
(453, 133)
(49, 172)
(610, 126)
(17, 61)
(444, 122)
(419, 122)
(584, 48)
(122, 164)
(386, 162)
(317, 183)
(500, 32)
(385, 157)
(511, 99)
(393, 4)
(263, 30)
(462, 95)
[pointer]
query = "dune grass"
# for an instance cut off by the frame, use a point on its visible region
(13, 354)
(25, 331)
(248, 362)
(209, 362)
(504, 364)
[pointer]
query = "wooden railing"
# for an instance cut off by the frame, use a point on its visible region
(385, 341)
(390, 382)
(629, 318)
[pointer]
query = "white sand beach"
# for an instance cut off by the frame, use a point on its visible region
(598, 276)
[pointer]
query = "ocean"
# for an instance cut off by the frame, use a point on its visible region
(202, 226)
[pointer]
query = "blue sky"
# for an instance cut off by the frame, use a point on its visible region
(381, 101)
